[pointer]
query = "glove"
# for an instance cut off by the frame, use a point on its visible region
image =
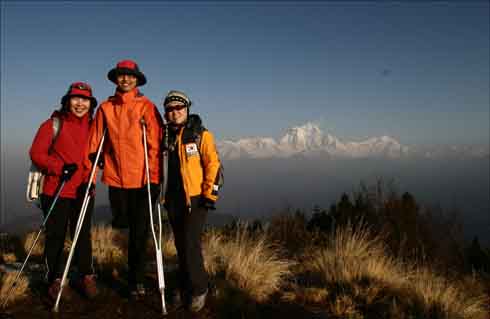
(68, 171)
(207, 203)
(92, 157)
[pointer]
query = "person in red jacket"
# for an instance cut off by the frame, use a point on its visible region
(60, 157)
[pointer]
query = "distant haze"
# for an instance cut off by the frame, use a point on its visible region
(260, 187)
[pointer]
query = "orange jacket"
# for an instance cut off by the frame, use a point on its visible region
(123, 151)
(200, 170)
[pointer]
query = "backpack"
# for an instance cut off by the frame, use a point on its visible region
(35, 179)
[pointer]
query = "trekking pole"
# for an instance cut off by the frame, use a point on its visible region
(81, 217)
(43, 226)
(158, 243)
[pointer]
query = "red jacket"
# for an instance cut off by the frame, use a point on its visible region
(69, 147)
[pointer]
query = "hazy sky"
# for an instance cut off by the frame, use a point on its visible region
(417, 72)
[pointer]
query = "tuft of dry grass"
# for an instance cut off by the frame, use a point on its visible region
(353, 255)
(248, 264)
(9, 258)
(343, 306)
(168, 246)
(360, 274)
(28, 240)
(106, 253)
(18, 292)
(438, 295)
(213, 251)
(305, 295)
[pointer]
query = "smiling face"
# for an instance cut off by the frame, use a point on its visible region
(126, 82)
(176, 113)
(79, 106)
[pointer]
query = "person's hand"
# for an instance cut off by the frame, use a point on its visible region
(100, 163)
(68, 171)
(207, 203)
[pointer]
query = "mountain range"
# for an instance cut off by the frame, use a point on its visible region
(309, 140)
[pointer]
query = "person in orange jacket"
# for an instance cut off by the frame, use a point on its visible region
(190, 190)
(123, 161)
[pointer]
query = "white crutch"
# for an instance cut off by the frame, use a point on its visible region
(158, 243)
(81, 217)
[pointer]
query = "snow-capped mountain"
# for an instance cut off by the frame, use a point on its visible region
(309, 140)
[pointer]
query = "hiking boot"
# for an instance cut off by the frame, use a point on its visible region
(88, 286)
(137, 292)
(198, 302)
(54, 289)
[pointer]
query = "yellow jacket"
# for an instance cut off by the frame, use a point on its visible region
(199, 167)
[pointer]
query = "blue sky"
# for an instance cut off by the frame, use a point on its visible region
(416, 72)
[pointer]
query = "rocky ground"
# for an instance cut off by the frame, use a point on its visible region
(113, 302)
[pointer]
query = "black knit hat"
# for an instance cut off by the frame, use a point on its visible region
(126, 67)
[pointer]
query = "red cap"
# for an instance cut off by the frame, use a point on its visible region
(79, 89)
(126, 67)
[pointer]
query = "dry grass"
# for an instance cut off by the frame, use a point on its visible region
(248, 264)
(18, 292)
(438, 295)
(168, 246)
(106, 252)
(9, 258)
(305, 295)
(359, 274)
(213, 251)
(38, 250)
(354, 256)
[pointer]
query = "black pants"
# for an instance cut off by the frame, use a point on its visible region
(187, 228)
(130, 206)
(66, 212)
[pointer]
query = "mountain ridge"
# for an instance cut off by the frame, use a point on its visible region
(309, 140)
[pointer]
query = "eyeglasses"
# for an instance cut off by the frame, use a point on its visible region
(175, 108)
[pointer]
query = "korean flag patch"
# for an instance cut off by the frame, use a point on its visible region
(191, 149)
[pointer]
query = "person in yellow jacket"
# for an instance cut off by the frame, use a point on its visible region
(123, 161)
(190, 190)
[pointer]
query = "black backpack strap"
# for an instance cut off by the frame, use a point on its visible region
(193, 131)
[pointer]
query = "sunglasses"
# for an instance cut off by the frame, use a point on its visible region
(175, 108)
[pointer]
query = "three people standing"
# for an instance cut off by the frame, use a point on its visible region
(189, 190)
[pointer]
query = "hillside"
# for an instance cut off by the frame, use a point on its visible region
(282, 269)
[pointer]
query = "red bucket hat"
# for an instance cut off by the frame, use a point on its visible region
(127, 67)
(80, 89)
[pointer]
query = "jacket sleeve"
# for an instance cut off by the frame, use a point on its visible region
(95, 135)
(211, 166)
(154, 124)
(49, 163)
